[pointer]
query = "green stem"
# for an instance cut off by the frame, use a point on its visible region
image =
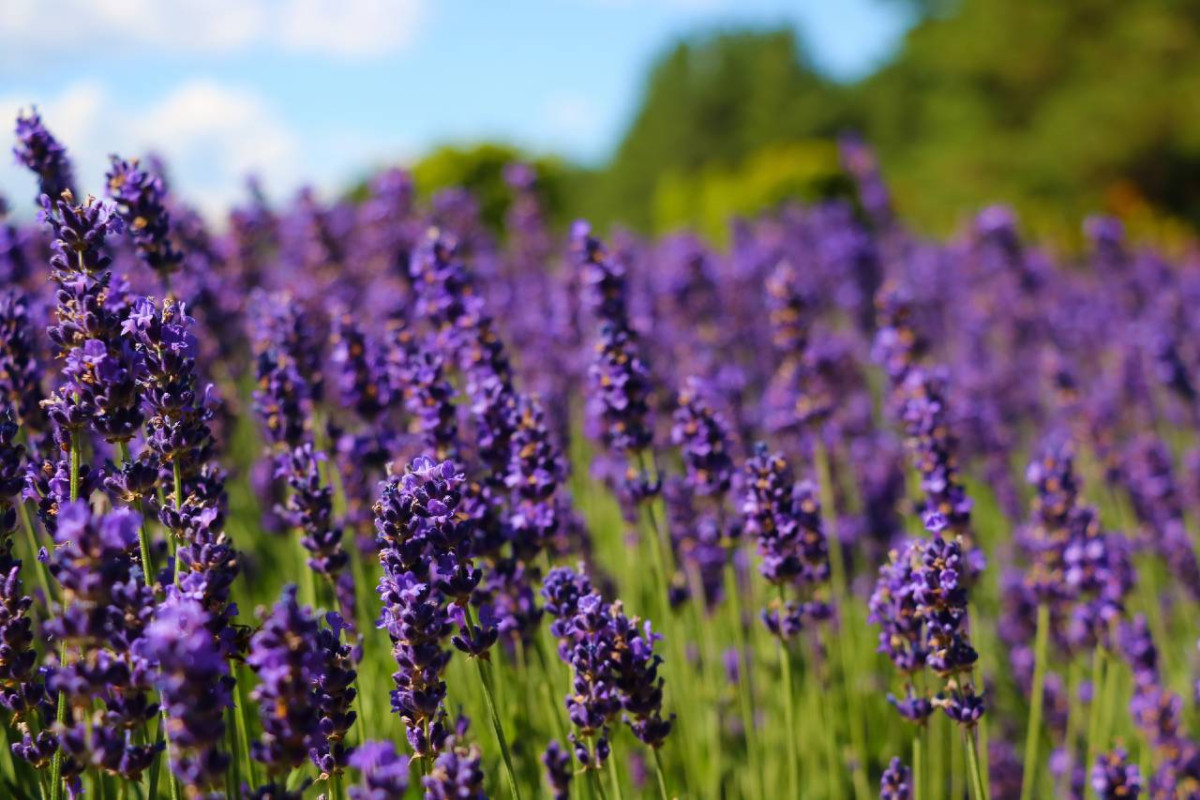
(56, 782)
(745, 687)
(1033, 734)
(1099, 657)
(916, 763)
(143, 529)
(845, 638)
(789, 707)
(978, 790)
(490, 698)
(662, 778)
(614, 777)
(248, 767)
(31, 538)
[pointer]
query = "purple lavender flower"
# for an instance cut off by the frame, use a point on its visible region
(20, 691)
(418, 373)
(20, 372)
(703, 436)
(193, 679)
(790, 307)
(102, 368)
(637, 679)
(284, 654)
(894, 606)
(41, 153)
(1114, 778)
(424, 559)
(457, 774)
(896, 782)
(140, 198)
(309, 507)
(335, 693)
(897, 346)
(785, 518)
(557, 762)
(535, 472)
(619, 401)
(106, 608)
(384, 772)
(362, 381)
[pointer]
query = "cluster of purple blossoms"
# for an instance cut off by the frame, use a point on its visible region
(285, 656)
(614, 667)
(897, 347)
(20, 372)
(309, 509)
(418, 373)
(934, 453)
(385, 773)
(785, 518)
(335, 693)
(1158, 713)
(42, 154)
(362, 379)
(1158, 503)
(20, 691)
(920, 603)
(422, 548)
(896, 783)
(559, 772)
(456, 774)
(535, 472)
(702, 435)
(105, 610)
(1114, 778)
(140, 197)
(621, 389)
(101, 367)
(192, 677)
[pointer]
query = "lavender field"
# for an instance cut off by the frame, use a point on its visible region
(366, 500)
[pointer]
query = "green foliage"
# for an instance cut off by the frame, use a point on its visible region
(1059, 108)
(712, 103)
(479, 168)
(706, 199)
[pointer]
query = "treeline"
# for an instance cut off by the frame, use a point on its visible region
(1060, 109)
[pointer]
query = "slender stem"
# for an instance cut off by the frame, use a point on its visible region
(143, 529)
(248, 766)
(789, 707)
(846, 642)
(56, 782)
(916, 763)
(745, 686)
(177, 482)
(31, 537)
(233, 776)
(1033, 734)
(661, 773)
(1099, 656)
(335, 785)
(501, 740)
(977, 787)
(614, 777)
(597, 784)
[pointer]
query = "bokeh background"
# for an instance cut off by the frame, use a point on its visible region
(654, 113)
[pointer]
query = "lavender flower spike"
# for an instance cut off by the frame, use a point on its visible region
(38, 150)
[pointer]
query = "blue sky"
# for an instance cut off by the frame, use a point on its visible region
(323, 90)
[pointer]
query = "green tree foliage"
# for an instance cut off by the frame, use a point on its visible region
(1060, 108)
(480, 169)
(710, 104)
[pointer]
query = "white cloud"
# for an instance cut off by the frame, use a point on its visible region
(348, 29)
(211, 136)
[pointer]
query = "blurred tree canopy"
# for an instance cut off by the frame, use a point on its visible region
(479, 168)
(1060, 108)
